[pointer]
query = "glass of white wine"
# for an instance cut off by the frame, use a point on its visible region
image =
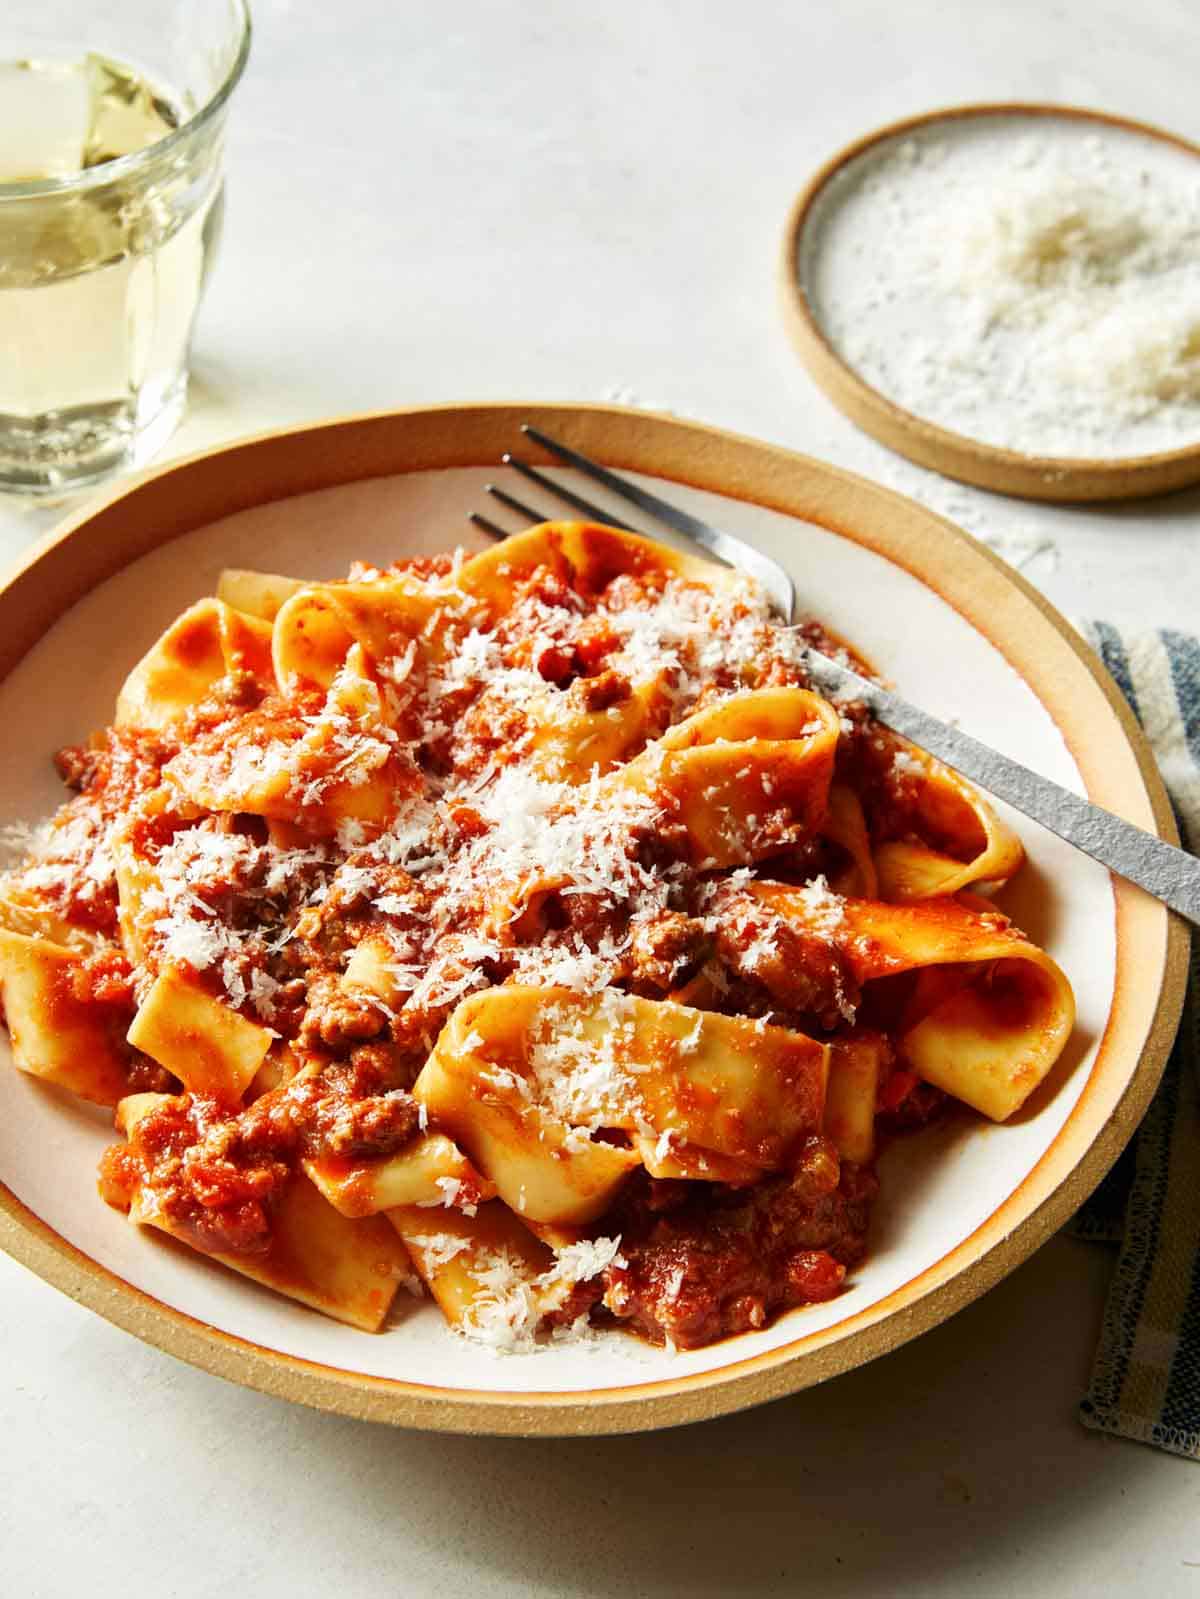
(112, 121)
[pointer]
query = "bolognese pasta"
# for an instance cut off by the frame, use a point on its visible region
(522, 929)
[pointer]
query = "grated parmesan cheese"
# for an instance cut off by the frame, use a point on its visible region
(581, 1074)
(1034, 283)
(506, 1312)
(437, 1249)
(906, 764)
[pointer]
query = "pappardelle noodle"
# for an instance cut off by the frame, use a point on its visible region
(519, 929)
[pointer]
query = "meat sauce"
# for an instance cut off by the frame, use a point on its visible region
(704, 1261)
(699, 1261)
(216, 1175)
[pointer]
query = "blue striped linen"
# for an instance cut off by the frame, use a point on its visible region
(1146, 1378)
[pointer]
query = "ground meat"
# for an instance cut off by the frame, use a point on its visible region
(595, 641)
(466, 822)
(726, 1260)
(379, 1124)
(591, 917)
(602, 692)
(76, 764)
(105, 978)
(907, 1104)
(335, 1018)
(146, 1076)
(217, 1177)
(555, 663)
(350, 1108)
(800, 971)
(662, 949)
(582, 1299)
(660, 845)
(239, 690)
(72, 868)
(813, 857)
(186, 1159)
(491, 728)
(122, 764)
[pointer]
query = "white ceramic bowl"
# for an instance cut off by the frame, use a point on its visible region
(961, 1204)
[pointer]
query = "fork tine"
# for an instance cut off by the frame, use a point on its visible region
(681, 520)
(489, 527)
(725, 547)
(568, 496)
(514, 504)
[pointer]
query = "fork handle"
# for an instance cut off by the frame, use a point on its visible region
(1170, 874)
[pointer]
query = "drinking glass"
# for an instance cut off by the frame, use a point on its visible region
(112, 122)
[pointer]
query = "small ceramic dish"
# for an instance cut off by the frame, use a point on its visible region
(962, 1203)
(876, 201)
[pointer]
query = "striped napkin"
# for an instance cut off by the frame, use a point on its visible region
(1146, 1379)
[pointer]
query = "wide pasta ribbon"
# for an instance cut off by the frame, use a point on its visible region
(587, 556)
(208, 642)
(569, 739)
(343, 763)
(846, 826)
(746, 777)
(390, 619)
(56, 1034)
(349, 1269)
(939, 834)
(523, 1078)
(316, 625)
(496, 1279)
(991, 1012)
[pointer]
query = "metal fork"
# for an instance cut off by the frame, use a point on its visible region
(1169, 874)
(726, 547)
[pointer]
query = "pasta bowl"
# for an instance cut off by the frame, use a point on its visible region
(962, 1203)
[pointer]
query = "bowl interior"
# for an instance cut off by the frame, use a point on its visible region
(939, 1189)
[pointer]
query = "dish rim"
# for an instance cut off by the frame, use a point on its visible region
(165, 502)
(1053, 478)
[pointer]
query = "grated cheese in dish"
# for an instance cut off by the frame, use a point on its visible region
(1031, 282)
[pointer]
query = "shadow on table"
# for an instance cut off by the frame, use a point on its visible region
(1182, 504)
(955, 1453)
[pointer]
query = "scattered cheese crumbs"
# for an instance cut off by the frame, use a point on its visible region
(451, 1188)
(579, 1070)
(437, 1249)
(826, 911)
(690, 1041)
(906, 764)
(350, 834)
(505, 1314)
(579, 1263)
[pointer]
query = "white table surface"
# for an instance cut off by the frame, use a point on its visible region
(558, 201)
